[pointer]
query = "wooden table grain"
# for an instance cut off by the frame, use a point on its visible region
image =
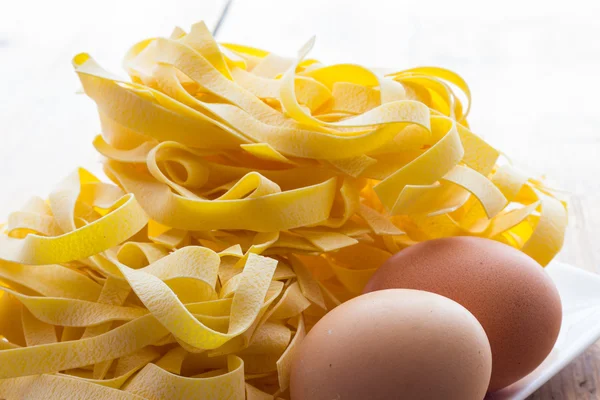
(532, 66)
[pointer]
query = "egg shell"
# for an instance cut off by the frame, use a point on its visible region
(509, 293)
(393, 344)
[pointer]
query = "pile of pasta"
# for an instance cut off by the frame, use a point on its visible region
(252, 194)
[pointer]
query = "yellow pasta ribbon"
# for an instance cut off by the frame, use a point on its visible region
(252, 193)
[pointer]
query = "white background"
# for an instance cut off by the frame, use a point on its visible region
(532, 66)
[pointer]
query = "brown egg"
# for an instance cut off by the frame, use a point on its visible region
(509, 293)
(393, 344)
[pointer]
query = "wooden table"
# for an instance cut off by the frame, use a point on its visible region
(532, 67)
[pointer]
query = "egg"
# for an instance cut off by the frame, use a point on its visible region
(393, 344)
(510, 294)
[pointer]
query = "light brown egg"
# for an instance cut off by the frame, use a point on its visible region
(393, 344)
(509, 293)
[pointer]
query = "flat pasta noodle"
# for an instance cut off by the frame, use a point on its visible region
(252, 194)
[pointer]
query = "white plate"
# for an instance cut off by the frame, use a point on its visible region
(580, 294)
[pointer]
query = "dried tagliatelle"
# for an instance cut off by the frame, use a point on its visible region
(253, 193)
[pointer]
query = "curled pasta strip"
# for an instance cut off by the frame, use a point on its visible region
(252, 194)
